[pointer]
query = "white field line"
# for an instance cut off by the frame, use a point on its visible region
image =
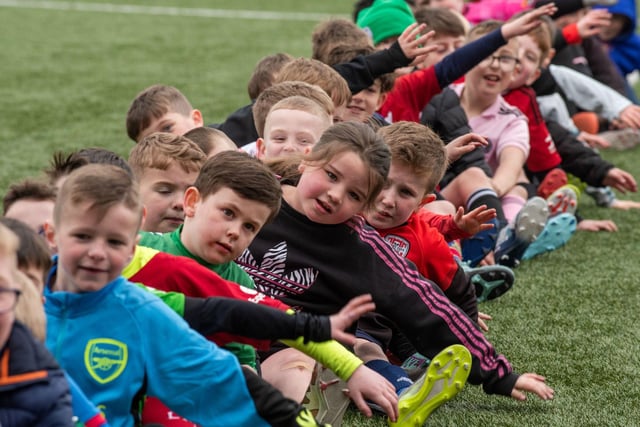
(165, 10)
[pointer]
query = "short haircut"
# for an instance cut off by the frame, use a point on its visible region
(102, 186)
(341, 138)
(419, 148)
(279, 91)
(209, 139)
(441, 20)
(153, 103)
(484, 27)
(245, 175)
(317, 73)
(160, 150)
(32, 248)
(302, 103)
(265, 72)
(336, 31)
(28, 190)
(345, 53)
(62, 165)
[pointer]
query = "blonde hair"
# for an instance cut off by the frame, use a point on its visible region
(9, 243)
(305, 104)
(29, 309)
(160, 150)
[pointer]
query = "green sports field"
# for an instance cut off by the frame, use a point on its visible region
(69, 70)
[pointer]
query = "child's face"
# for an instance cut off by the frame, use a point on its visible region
(92, 249)
(445, 45)
(457, 5)
(364, 103)
(334, 192)
(220, 227)
(402, 195)
(162, 193)
(175, 123)
(34, 213)
(290, 131)
(494, 74)
(528, 70)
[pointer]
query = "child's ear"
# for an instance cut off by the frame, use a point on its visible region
(50, 236)
(427, 199)
(196, 116)
(261, 146)
(547, 61)
(144, 218)
(191, 198)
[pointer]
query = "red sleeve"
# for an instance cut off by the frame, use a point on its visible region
(172, 273)
(571, 34)
(410, 94)
(444, 224)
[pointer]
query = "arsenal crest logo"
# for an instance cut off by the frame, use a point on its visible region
(105, 359)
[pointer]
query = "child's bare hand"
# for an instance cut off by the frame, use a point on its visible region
(527, 22)
(625, 205)
(366, 384)
(621, 180)
(351, 312)
(413, 44)
(463, 145)
(594, 141)
(481, 321)
(597, 225)
(592, 22)
(475, 220)
(630, 116)
(531, 383)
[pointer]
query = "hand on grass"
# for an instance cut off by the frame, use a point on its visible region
(621, 180)
(531, 383)
(630, 116)
(625, 205)
(366, 384)
(464, 144)
(481, 321)
(594, 141)
(413, 44)
(597, 225)
(475, 220)
(351, 312)
(527, 22)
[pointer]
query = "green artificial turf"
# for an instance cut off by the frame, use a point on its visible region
(68, 77)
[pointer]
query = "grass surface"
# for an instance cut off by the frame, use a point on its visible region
(68, 78)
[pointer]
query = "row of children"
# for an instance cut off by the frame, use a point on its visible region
(306, 239)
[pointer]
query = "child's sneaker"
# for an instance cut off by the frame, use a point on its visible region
(556, 233)
(445, 378)
(476, 247)
(515, 238)
(490, 281)
(326, 398)
(553, 180)
(603, 196)
(563, 200)
(305, 419)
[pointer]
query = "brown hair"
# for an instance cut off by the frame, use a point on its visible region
(210, 139)
(345, 53)
(542, 35)
(340, 138)
(32, 249)
(265, 72)
(441, 20)
(28, 190)
(337, 31)
(318, 73)
(242, 173)
(103, 186)
(419, 148)
(482, 28)
(160, 150)
(62, 164)
(153, 103)
(9, 246)
(279, 91)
